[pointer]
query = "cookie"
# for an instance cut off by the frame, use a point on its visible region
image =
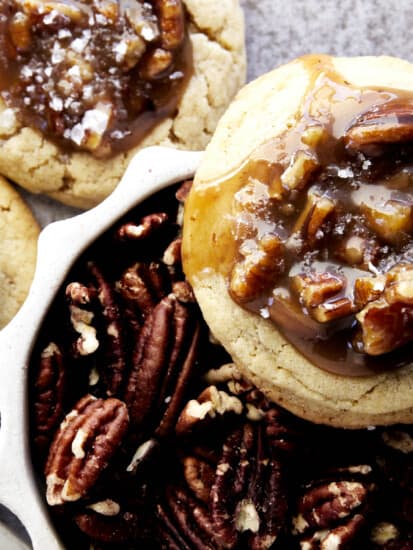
(70, 161)
(18, 244)
(298, 238)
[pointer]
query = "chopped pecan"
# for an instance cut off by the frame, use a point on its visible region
(357, 251)
(83, 447)
(79, 294)
(144, 229)
(399, 285)
(210, 403)
(320, 294)
(81, 320)
(390, 221)
(156, 64)
(172, 23)
(333, 310)
(259, 269)
(185, 521)
(73, 12)
(311, 221)
(389, 122)
(315, 288)
(368, 289)
(172, 254)
(386, 322)
(20, 33)
(384, 327)
(301, 167)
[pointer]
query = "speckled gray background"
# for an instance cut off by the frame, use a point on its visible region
(278, 31)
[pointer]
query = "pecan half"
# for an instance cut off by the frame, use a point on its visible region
(248, 496)
(49, 395)
(331, 511)
(390, 122)
(83, 447)
(113, 350)
(162, 365)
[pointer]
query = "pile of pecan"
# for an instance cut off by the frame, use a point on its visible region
(144, 434)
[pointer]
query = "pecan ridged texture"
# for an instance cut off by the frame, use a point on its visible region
(163, 362)
(233, 494)
(333, 512)
(389, 122)
(113, 349)
(49, 395)
(86, 441)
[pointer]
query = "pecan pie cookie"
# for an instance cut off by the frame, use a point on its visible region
(84, 85)
(18, 244)
(144, 434)
(298, 238)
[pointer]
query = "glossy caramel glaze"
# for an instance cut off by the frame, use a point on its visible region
(94, 76)
(348, 153)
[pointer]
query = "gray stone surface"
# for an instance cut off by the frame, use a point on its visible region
(278, 31)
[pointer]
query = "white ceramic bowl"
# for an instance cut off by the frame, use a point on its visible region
(59, 246)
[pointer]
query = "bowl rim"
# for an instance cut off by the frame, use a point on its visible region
(59, 245)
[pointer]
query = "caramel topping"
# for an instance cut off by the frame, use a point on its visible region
(93, 75)
(315, 229)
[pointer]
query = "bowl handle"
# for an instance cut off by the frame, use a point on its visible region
(59, 245)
